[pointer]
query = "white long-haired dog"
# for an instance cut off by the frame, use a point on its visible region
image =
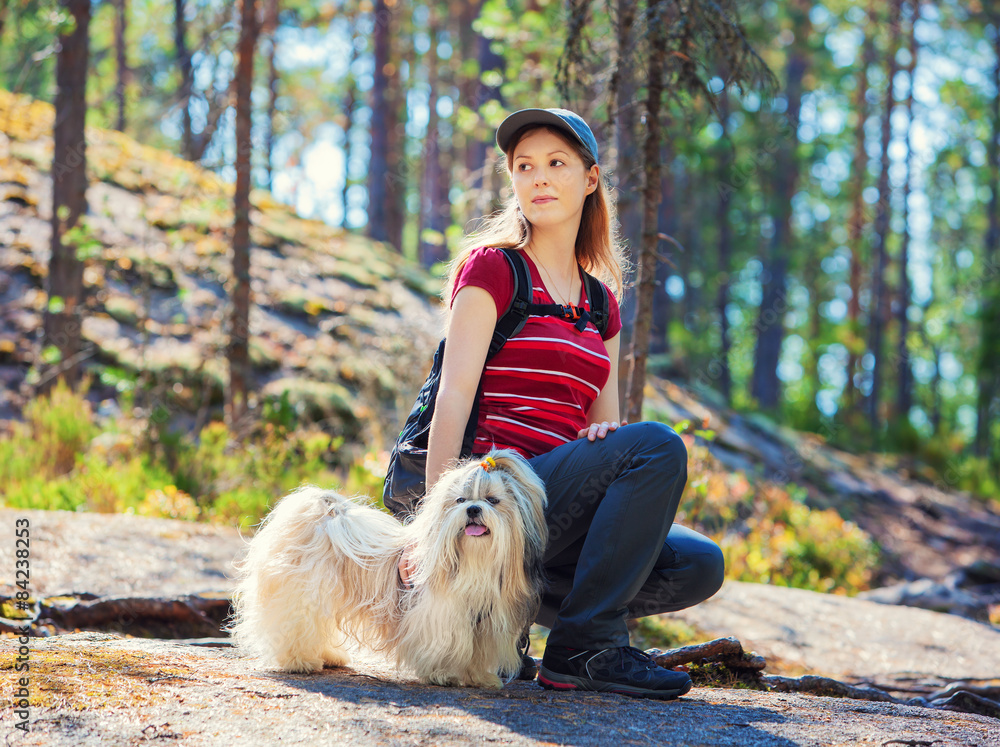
(323, 568)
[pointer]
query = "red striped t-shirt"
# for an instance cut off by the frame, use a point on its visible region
(538, 389)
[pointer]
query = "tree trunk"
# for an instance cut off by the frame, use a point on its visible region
(904, 394)
(651, 201)
(349, 102)
(811, 273)
(689, 226)
(774, 303)
(433, 222)
(720, 369)
(270, 30)
(378, 173)
(406, 53)
(989, 356)
(936, 380)
(121, 22)
(64, 314)
(187, 76)
(463, 15)
(659, 338)
(689, 235)
(239, 333)
(880, 315)
(856, 224)
(480, 149)
(624, 165)
(386, 183)
(937, 404)
(447, 155)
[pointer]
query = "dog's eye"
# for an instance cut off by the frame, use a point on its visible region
(493, 501)
(460, 499)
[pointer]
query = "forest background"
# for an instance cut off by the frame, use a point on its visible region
(808, 191)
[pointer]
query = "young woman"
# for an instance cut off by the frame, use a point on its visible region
(552, 394)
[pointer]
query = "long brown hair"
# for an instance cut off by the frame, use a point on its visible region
(598, 248)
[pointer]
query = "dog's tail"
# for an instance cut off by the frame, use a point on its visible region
(299, 580)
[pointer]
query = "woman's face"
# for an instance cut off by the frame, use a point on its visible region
(545, 164)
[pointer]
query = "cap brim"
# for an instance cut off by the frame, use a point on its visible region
(519, 119)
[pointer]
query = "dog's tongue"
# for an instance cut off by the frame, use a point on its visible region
(475, 530)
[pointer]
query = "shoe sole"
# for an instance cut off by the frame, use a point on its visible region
(554, 681)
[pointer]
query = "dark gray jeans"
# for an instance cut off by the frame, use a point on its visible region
(614, 552)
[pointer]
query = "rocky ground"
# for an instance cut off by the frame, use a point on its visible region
(91, 690)
(105, 689)
(893, 647)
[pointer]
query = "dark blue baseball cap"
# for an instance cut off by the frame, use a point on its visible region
(562, 119)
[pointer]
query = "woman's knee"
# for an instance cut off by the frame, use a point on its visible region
(711, 568)
(662, 441)
(698, 558)
(690, 579)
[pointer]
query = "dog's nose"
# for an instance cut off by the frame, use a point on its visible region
(473, 511)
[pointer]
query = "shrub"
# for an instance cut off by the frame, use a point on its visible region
(46, 446)
(788, 544)
(61, 459)
(769, 534)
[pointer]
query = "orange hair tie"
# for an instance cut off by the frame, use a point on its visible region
(488, 464)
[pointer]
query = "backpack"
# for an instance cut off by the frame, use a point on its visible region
(405, 479)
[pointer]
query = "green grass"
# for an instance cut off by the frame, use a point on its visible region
(62, 458)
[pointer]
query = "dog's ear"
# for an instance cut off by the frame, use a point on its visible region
(524, 481)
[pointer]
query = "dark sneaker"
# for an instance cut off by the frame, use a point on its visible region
(626, 670)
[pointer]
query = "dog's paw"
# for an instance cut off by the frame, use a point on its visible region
(336, 657)
(442, 680)
(483, 679)
(300, 665)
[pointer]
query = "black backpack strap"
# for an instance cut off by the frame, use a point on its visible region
(508, 324)
(597, 294)
(512, 320)
(568, 312)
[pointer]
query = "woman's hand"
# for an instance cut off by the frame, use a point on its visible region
(600, 430)
(406, 567)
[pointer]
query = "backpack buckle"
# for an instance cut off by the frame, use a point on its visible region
(576, 314)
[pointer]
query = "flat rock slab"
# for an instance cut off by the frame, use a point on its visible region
(93, 689)
(114, 555)
(798, 631)
(801, 631)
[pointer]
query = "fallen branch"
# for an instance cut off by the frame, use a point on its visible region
(724, 662)
(986, 691)
(718, 663)
(202, 614)
(968, 702)
(101, 612)
(726, 650)
(811, 683)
